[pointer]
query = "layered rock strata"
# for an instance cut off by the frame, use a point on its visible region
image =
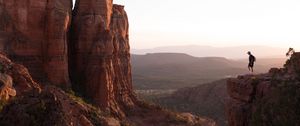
(34, 33)
(100, 56)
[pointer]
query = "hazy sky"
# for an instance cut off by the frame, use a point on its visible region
(213, 22)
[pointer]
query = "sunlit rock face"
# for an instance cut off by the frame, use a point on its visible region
(34, 33)
(101, 10)
(99, 53)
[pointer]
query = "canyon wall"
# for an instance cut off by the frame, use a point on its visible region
(91, 44)
(100, 57)
(34, 33)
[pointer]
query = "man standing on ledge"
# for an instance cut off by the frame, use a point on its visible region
(251, 61)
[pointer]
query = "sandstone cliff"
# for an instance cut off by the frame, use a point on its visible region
(86, 50)
(34, 33)
(267, 99)
(100, 57)
(33, 105)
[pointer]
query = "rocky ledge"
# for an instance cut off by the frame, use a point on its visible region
(266, 99)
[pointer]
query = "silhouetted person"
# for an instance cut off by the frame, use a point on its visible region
(251, 61)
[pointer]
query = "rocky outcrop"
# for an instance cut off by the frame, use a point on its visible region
(64, 110)
(34, 33)
(243, 92)
(100, 56)
(264, 99)
(32, 105)
(15, 80)
(6, 89)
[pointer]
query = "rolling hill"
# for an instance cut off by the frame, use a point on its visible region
(207, 100)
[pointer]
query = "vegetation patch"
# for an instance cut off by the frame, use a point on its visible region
(2, 104)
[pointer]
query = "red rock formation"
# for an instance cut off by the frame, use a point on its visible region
(33, 105)
(122, 81)
(34, 33)
(243, 91)
(101, 56)
(250, 92)
(6, 87)
(100, 9)
(64, 110)
(15, 79)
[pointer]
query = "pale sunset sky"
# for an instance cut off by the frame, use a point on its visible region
(218, 23)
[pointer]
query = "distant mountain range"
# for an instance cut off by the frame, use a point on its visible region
(178, 70)
(237, 52)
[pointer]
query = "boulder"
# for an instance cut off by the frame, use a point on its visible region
(6, 87)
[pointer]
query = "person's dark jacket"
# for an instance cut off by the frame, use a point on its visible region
(252, 59)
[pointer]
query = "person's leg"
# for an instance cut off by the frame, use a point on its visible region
(252, 65)
(249, 67)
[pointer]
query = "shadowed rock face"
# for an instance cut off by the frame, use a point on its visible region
(243, 92)
(100, 58)
(91, 51)
(34, 33)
